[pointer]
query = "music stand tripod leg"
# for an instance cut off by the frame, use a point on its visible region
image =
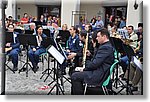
(9, 68)
(57, 85)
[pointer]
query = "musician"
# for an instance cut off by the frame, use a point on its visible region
(132, 41)
(88, 29)
(13, 48)
(63, 35)
(35, 51)
(74, 45)
(82, 37)
(94, 69)
(73, 42)
(32, 27)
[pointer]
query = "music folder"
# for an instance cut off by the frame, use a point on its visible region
(56, 54)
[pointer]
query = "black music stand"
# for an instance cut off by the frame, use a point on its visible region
(18, 30)
(63, 36)
(61, 67)
(9, 39)
(27, 39)
(47, 42)
(118, 45)
(57, 69)
(29, 31)
(130, 53)
(47, 32)
(37, 23)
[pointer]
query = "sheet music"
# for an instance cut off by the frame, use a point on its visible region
(137, 63)
(56, 54)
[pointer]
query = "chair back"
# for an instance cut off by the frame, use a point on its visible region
(106, 82)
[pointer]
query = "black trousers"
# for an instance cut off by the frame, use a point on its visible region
(77, 80)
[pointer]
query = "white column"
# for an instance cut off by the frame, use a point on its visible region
(11, 9)
(0, 13)
(67, 6)
(134, 16)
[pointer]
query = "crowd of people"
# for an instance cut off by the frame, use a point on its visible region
(99, 50)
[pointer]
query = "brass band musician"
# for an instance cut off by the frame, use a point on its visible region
(94, 69)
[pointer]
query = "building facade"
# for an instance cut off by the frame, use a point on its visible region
(70, 11)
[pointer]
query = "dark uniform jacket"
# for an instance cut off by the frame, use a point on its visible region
(97, 67)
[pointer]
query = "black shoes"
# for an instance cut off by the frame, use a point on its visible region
(134, 88)
(35, 69)
(15, 68)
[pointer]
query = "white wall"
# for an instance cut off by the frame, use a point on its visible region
(9, 9)
(0, 13)
(31, 9)
(66, 10)
(93, 10)
(134, 16)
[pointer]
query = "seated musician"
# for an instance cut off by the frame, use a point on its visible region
(132, 41)
(114, 33)
(74, 45)
(94, 69)
(13, 48)
(32, 27)
(73, 41)
(135, 73)
(83, 37)
(35, 51)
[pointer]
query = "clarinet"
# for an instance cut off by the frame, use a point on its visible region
(84, 50)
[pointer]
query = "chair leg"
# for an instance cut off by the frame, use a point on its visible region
(105, 90)
(85, 88)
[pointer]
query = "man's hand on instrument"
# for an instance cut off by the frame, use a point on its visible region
(88, 53)
(8, 44)
(71, 55)
(34, 49)
(8, 49)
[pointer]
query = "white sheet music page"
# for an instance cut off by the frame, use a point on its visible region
(137, 63)
(56, 54)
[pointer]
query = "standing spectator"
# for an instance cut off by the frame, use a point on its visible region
(25, 19)
(42, 20)
(122, 23)
(99, 23)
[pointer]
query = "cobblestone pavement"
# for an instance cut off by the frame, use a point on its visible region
(19, 84)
